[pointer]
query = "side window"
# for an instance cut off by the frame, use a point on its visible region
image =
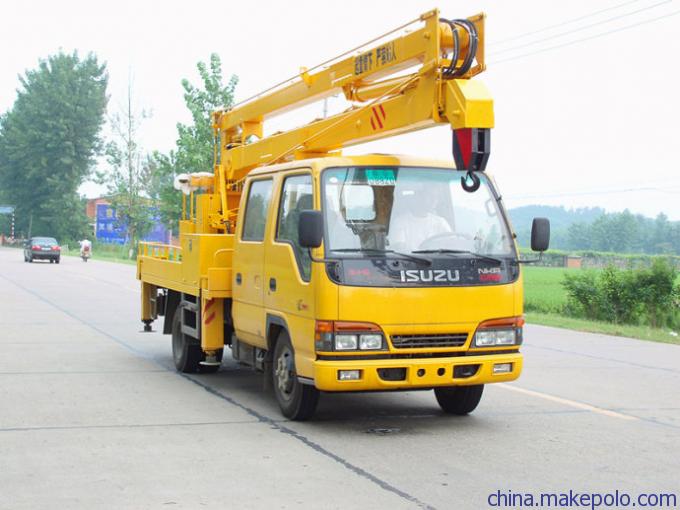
(259, 196)
(296, 196)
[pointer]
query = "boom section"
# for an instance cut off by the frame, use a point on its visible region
(396, 85)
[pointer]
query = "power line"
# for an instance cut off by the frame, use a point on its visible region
(601, 34)
(584, 27)
(563, 23)
(593, 192)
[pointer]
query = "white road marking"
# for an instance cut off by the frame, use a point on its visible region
(567, 402)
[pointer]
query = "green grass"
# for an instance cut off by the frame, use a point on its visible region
(607, 328)
(544, 300)
(543, 291)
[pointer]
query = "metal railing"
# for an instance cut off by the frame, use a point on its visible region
(160, 251)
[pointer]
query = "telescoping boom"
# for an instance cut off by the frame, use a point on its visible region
(407, 83)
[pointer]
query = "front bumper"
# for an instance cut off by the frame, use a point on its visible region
(420, 373)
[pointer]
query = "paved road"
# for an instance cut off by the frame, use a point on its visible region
(92, 415)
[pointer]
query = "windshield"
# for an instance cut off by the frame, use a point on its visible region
(411, 210)
(44, 240)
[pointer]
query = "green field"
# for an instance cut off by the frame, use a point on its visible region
(544, 300)
(543, 291)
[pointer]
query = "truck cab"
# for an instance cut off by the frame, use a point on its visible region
(414, 282)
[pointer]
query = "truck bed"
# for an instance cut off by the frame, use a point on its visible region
(202, 264)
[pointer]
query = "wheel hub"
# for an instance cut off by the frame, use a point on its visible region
(284, 373)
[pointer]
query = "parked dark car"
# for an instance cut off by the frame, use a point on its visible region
(42, 248)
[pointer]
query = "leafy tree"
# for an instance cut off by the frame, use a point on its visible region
(195, 142)
(48, 141)
(127, 177)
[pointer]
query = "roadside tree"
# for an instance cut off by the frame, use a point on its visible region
(195, 141)
(48, 142)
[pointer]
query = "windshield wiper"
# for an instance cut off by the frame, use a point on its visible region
(468, 252)
(378, 251)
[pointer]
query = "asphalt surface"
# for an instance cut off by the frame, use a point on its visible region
(92, 415)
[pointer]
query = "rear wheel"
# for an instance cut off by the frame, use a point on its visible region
(459, 399)
(186, 351)
(297, 401)
(30, 258)
(57, 260)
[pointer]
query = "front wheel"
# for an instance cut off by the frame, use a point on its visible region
(297, 401)
(459, 400)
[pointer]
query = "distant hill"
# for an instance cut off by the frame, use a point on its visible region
(559, 217)
(592, 228)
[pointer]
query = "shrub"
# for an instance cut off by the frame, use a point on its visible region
(631, 296)
(657, 293)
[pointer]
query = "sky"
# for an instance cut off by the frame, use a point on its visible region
(585, 92)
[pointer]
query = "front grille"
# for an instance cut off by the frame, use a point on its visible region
(436, 340)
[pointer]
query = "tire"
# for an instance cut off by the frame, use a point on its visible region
(297, 401)
(56, 261)
(30, 260)
(186, 351)
(459, 400)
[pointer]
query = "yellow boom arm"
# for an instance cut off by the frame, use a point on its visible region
(441, 56)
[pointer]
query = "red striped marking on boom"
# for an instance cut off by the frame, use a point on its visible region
(378, 115)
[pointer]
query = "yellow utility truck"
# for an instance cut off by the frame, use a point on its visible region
(334, 273)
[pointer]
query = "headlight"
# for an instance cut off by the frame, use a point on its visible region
(485, 338)
(370, 342)
(345, 342)
(348, 336)
(505, 337)
(491, 337)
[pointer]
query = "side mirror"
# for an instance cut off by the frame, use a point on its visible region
(540, 234)
(310, 229)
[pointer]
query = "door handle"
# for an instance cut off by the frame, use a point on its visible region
(238, 279)
(272, 284)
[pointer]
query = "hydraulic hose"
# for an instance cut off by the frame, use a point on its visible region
(452, 71)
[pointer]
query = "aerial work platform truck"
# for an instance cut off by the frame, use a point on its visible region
(335, 273)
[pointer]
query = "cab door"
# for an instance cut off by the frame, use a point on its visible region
(288, 289)
(249, 252)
